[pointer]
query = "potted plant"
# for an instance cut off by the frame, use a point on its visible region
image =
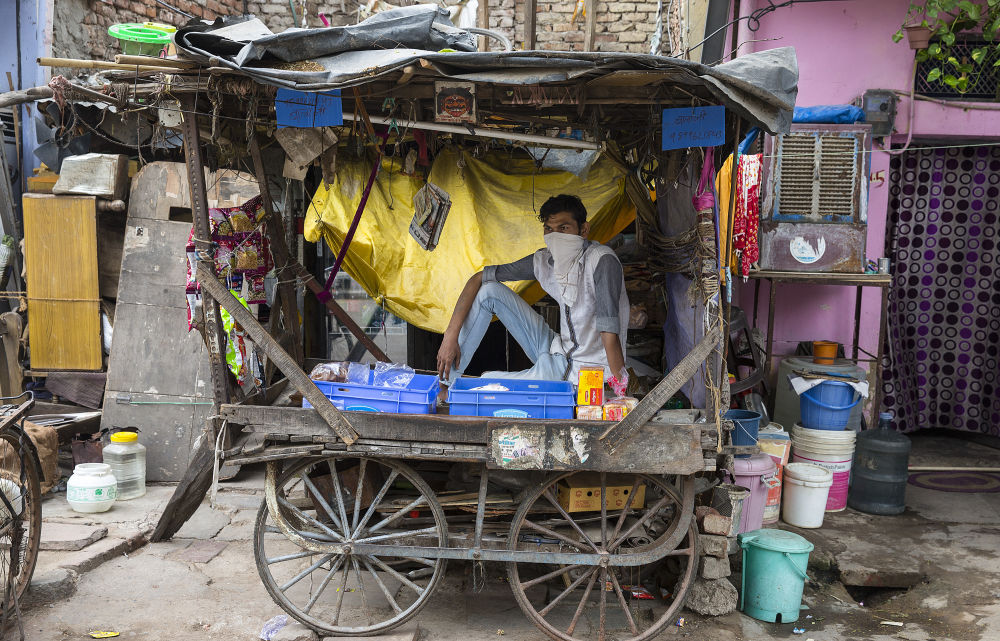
(944, 21)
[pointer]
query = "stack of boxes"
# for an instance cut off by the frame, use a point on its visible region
(590, 403)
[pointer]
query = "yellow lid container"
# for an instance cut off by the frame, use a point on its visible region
(124, 437)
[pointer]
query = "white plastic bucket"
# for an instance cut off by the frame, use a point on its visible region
(834, 454)
(806, 488)
(827, 436)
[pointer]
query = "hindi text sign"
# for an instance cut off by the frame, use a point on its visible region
(693, 127)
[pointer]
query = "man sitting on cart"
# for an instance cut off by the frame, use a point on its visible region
(584, 278)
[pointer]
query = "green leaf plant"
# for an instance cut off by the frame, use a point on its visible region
(949, 21)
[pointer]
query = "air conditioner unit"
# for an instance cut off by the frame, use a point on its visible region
(815, 213)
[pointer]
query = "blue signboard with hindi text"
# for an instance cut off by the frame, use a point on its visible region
(693, 127)
(308, 109)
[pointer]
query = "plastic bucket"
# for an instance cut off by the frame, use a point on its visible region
(774, 574)
(828, 405)
(747, 424)
(728, 500)
(806, 490)
(825, 352)
(834, 455)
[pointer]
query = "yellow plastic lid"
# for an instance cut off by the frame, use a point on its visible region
(124, 437)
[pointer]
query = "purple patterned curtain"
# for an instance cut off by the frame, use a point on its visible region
(944, 310)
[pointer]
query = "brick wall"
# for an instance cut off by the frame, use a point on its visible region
(82, 30)
(620, 26)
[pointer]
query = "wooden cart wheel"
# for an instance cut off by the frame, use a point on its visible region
(347, 593)
(613, 599)
(20, 533)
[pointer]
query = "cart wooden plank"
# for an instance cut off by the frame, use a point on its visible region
(656, 448)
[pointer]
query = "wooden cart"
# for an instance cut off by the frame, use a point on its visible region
(354, 533)
(352, 540)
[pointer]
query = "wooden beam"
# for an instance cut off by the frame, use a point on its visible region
(192, 488)
(530, 9)
(313, 285)
(11, 98)
(484, 23)
(296, 377)
(212, 330)
(619, 433)
(198, 475)
(279, 249)
(590, 24)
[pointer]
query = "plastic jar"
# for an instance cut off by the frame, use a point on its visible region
(127, 458)
(92, 488)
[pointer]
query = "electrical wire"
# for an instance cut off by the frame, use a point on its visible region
(176, 10)
(753, 20)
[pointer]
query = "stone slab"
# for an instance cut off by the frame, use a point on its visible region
(716, 524)
(200, 551)
(400, 635)
(50, 586)
(899, 573)
(714, 597)
(713, 545)
(295, 631)
(97, 553)
(236, 532)
(70, 536)
(714, 568)
(205, 523)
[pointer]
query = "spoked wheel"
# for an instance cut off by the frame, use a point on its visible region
(644, 557)
(20, 530)
(305, 556)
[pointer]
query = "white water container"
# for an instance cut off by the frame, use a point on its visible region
(806, 489)
(127, 458)
(92, 488)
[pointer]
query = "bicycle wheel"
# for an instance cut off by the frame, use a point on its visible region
(21, 531)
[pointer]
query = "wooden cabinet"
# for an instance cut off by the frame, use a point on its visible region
(60, 257)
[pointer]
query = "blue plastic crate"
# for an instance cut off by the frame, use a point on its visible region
(526, 398)
(418, 397)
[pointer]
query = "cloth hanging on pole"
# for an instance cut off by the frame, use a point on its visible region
(493, 220)
(746, 249)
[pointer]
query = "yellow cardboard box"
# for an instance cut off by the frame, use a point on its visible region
(582, 492)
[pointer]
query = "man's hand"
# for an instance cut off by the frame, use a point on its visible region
(448, 356)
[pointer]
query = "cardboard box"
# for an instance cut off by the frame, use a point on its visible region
(582, 492)
(104, 175)
(590, 390)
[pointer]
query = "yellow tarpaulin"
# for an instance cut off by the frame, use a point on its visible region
(492, 221)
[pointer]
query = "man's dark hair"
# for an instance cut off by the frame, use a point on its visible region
(563, 202)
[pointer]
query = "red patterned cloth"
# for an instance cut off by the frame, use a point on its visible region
(747, 219)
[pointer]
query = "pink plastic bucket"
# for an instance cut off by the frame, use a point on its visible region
(841, 468)
(750, 473)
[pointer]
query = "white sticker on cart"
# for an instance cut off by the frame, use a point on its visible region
(581, 443)
(803, 251)
(513, 445)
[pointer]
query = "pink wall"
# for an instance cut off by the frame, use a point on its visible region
(844, 48)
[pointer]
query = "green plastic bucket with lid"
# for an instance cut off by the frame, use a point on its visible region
(774, 574)
(141, 39)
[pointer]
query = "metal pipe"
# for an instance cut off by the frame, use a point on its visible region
(483, 131)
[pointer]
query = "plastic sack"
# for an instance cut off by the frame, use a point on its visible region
(395, 375)
(829, 114)
(358, 373)
(335, 372)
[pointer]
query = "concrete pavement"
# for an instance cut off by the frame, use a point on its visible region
(935, 569)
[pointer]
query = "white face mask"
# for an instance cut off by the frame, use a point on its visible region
(566, 251)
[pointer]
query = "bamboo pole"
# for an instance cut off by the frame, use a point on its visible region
(73, 63)
(124, 59)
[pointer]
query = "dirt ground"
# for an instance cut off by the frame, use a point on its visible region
(935, 569)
